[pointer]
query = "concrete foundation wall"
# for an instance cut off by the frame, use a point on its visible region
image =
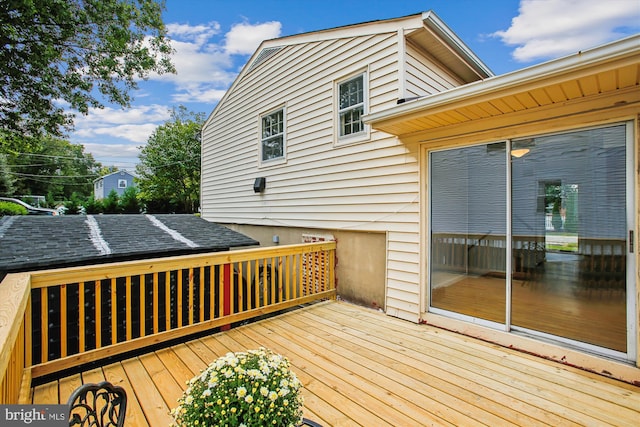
(361, 259)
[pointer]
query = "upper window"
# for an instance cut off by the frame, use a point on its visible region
(272, 136)
(122, 183)
(351, 105)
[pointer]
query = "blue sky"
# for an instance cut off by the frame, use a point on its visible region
(213, 39)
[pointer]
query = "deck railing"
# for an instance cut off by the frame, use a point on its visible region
(601, 267)
(58, 319)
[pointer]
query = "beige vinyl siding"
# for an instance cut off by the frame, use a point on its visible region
(403, 274)
(424, 76)
(366, 186)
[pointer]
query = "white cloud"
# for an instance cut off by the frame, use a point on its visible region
(134, 124)
(199, 93)
(123, 156)
(199, 34)
(245, 38)
(551, 28)
(113, 151)
(131, 132)
(139, 114)
(206, 65)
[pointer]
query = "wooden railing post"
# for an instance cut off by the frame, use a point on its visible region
(226, 291)
(15, 294)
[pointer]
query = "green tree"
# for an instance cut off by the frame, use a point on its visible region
(93, 206)
(169, 168)
(111, 204)
(52, 167)
(8, 208)
(73, 205)
(76, 51)
(6, 180)
(129, 203)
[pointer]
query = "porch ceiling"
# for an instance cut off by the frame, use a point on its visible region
(611, 72)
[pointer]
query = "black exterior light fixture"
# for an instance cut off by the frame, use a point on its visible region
(259, 184)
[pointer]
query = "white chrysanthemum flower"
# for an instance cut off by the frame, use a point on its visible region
(283, 391)
(241, 392)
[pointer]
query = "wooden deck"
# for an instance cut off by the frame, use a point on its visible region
(361, 367)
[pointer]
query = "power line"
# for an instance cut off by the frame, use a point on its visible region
(31, 165)
(52, 176)
(51, 157)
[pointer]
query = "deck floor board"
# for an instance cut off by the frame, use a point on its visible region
(360, 367)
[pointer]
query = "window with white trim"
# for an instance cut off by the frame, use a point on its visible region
(351, 106)
(122, 183)
(272, 135)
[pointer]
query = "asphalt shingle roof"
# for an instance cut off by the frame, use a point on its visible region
(35, 242)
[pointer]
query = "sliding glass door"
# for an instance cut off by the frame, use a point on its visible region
(531, 235)
(468, 231)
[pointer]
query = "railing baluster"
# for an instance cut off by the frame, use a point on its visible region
(44, 325)
(128, 308)
(286, 265)
(167, 300)
(279, 283)
(228, 276)
(265, 283)
(98, 312)
(179, 308)
(191, 291)
(272, 282)
(81, 325)
(201, 293)
(155, 303)
(249, 294)
(220, 288)
(242, 292)
(212, 292)
(63, 320)
(114, 312)
(227, 292)
(256, 283)
(294, 275)
(142, 302)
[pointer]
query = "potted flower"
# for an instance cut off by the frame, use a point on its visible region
(252, 388)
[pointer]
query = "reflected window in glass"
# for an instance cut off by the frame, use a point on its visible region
(351, 105)
(272, 142)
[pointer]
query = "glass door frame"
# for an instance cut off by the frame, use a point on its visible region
(631, 285)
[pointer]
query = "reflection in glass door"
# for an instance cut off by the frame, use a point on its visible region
(532, 235)
(569, 243)
(468, 231)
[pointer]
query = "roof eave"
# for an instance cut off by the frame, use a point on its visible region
(627, 47)
(438, 26)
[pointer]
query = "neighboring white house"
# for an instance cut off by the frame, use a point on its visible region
(436, 179)
(118, 181)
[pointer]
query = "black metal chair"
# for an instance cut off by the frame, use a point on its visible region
(97, 405)
(308, 422)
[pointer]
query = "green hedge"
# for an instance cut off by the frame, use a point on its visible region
(8, 208)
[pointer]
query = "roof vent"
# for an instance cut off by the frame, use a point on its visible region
(262, 56)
